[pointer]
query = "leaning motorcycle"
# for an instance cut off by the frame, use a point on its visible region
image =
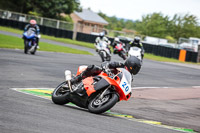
(98, 93)
(103, 51)
(120, 50)
(30, 44)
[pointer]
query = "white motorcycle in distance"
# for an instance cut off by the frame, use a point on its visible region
(103, 51)
(135, 51)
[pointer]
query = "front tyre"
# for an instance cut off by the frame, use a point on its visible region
(102, 56)
(123, 55)
(97, 105)
(34, 50)
(25, 46)
(59, 95)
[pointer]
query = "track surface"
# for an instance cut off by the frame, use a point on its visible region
(22, 113)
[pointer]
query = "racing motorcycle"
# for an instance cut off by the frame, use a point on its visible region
(137, 52)
(103, 51)
(98, 93)
(30, 44)
(120, 50)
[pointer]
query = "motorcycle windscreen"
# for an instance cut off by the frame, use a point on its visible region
(135, 51)
(30, 34)
(125, 83)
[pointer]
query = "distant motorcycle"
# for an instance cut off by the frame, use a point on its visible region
(96, 93)
(120, 50)
(30, 44)
(135, 51)
(103, 51)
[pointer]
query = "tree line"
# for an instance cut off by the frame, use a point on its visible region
(158, 25)
(44, 8)
(155, 24)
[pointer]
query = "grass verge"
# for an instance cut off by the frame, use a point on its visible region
(164, 59)
(64, 40)
(15, 42)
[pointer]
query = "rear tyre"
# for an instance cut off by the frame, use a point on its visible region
(97, 105)
(108, 58)
(60, 94)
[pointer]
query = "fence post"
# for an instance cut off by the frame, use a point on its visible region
(198, 56)
(41, 21)
(74, 31)
(58, 24)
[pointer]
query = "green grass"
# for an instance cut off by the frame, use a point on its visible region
(18, 43)
(11, 30)
(164, 59)
(64, 40)
(160, 58)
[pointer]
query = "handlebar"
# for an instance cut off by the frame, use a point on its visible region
(106, 70)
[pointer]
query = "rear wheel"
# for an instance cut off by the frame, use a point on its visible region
(99, 105)
(59, 95)
(108, 58)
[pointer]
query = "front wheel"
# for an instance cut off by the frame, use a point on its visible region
(26, 46)
(123, 55)
(99, 105)
(59, 95)
(102, 56)
(35, 48)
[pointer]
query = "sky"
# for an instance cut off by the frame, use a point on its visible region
(135, 9)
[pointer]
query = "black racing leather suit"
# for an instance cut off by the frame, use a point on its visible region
(94, 70)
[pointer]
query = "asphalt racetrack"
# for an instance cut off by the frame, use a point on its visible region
(21, 113)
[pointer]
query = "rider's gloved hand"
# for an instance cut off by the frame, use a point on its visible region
(105, 65)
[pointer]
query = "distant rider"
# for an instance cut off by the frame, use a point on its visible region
(132, 64)
(102, 38)
(137, 43)
(115, 42)
(33, 24)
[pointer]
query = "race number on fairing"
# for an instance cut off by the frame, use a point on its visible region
(125, 86)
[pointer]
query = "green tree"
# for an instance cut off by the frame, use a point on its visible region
(53, 8)
(12, 5)
(47, 8)
(161, 26)
(153, 25)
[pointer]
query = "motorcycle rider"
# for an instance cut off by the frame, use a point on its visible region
(33, 24)
(102, 38)
(137, 43)
(132, 64)
(115, 42)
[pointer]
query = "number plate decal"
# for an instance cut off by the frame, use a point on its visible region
(125, 86)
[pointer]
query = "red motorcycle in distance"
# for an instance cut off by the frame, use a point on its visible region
(96, 93)
(120, 50)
